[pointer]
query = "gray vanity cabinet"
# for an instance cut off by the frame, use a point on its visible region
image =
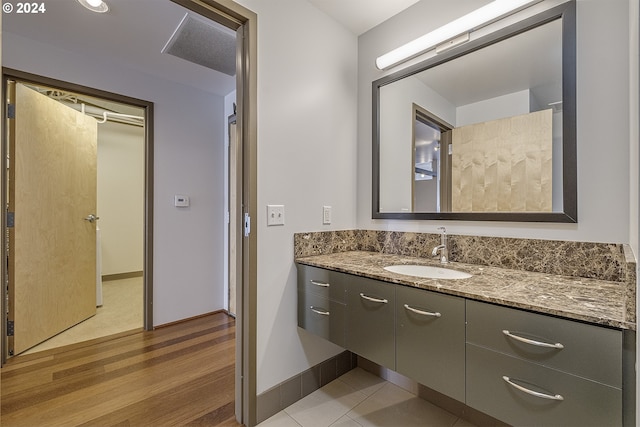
(531, 369)
(321, 303)
(520, 367)
(371, 320)
(582, 349)
(430, 339)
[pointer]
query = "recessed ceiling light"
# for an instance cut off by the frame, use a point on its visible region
(94, 5)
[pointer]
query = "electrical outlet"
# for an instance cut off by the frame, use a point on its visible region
(275, 215)
(326, 215)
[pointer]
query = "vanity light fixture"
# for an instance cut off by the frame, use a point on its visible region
(98, 6)
(454, 33)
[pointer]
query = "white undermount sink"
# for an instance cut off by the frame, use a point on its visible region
(427, 271)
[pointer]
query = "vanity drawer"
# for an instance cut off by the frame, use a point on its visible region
(371, 320)
(585, 402)
(590, 351)
(326, 283)
(430, 339)
(322, 316)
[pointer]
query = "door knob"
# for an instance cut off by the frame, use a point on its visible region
(92, 218)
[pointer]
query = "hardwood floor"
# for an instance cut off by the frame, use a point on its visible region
(181, 375)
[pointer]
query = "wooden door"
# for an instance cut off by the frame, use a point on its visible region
(52, 190)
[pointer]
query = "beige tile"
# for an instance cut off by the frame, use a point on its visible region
(122, 310)
(392, 406)
(363, 381)
(345, 422)
(326, 405)
(281, 419)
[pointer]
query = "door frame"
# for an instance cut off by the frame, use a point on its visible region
(21, 76)
(231, 193)
(245, 23)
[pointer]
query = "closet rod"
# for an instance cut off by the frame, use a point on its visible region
(123, 116)
(106, 114)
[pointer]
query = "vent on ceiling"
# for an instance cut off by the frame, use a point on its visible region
(205, 44)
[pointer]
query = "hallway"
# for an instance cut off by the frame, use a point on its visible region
(177, 375)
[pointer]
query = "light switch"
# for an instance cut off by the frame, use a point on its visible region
(326, 215)
(181, 201)
(275, 215)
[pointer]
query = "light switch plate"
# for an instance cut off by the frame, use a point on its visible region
(326, 215)
(275, 215)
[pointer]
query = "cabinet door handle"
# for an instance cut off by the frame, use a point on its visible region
(322, 312)
(424, 313)
(368, 298)
(324, 285)
(531, 392)
(532, 342)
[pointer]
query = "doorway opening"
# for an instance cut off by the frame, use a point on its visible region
(243, 23)
(431, 183)
(45, 297)
(77, 213)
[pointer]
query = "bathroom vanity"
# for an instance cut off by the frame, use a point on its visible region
(520, 346)
(542, 332)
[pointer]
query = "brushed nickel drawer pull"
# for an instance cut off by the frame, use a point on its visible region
(424, 313)
(324, 285)
(368, 298)
(532, 342)
(531, 392)
(322, 312)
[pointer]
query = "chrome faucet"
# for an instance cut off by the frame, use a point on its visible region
(444, 255)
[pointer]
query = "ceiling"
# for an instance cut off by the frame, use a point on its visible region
(528, 61)
(133, 33)
(359, 16)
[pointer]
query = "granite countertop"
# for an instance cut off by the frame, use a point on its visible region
(590, 300)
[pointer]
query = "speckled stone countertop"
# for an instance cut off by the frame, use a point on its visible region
(591, 300)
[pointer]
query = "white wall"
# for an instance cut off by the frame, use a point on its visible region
(121, 197)
(396, 137)
(634, 118)
(603, 98)
(509, 105)
(188, 143)
(634, 152)
(306, 159)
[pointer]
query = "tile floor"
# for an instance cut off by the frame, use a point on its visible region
(359, 398)
(121, 311)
